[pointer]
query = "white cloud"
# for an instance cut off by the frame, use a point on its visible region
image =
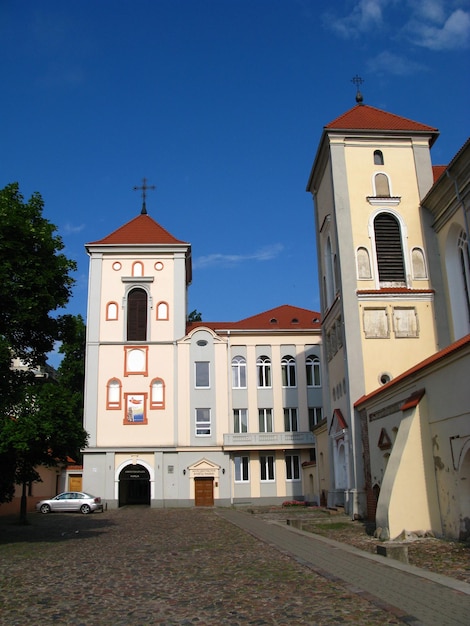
(70, 229)
(394, 64)
(263, 254)
(452, 34)
(365, 15)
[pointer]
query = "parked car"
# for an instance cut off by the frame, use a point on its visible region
(71, 501)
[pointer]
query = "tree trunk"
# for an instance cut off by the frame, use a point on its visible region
(23, 502)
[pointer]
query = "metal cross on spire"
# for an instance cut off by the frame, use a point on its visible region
(144, 189)
(357, 80)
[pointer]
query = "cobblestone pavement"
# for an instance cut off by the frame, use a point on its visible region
(139, 566)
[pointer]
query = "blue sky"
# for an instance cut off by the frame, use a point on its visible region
(220, 104)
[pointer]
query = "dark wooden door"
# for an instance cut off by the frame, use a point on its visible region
(204, 491)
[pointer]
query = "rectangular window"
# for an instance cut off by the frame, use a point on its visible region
(292, 467)
(290, 420)
(267, 467)
(265, 420)
(314, 416)
(202, 374)
(241, 469)
(240, 420)
(203, 422)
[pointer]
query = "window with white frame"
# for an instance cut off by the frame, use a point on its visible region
(203, 422)
(265, 417)
(113, 400)
(288, 371)
(292, 467)
(312, 364)
(290, 420)
(315, 416)
(242, 464)
(202, 374)
(266, 467)
(263, 365)
(364, 271)
(382, 185)
(418, 264)
(238, 372)
(240, 420)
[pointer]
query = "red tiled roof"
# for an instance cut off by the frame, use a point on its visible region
(434, 358)
(437, 171)
(285, 317)
(140, 230)
(364, 117)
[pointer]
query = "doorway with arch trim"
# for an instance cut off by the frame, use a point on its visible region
(134, 485)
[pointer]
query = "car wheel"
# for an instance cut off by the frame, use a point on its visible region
(45, 508)
(85, 509)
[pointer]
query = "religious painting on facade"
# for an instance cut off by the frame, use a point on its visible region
(135, 408)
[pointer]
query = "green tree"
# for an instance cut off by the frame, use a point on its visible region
(38, 423)
(195, 316)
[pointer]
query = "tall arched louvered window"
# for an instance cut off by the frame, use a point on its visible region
(389, 249)
(137, 315)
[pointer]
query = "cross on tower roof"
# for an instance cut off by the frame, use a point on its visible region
(144, 188)
(357, 80)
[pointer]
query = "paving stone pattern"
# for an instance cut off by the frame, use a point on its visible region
(139, 566)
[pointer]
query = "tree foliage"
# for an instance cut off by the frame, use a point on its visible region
(40, 418)
(195, 316)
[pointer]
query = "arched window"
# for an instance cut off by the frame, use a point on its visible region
(363, 264)
(464, 256)
(157, 394)
(137, 315)
(312, 364)
(389, 250)
(382, 185)
(263, 365)
(378, 157)
(238, 372)
(162, 311)
(137, 268)
(113, 394)
(418, 264)
(288, 371)
(111, 311)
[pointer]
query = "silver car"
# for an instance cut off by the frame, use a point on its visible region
(71, 501)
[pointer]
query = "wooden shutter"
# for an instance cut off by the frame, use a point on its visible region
(137, 315)
(389, 249)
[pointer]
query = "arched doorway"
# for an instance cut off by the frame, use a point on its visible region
(134, 485)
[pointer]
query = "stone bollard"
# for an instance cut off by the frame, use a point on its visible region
(296, 523)
(397, 551)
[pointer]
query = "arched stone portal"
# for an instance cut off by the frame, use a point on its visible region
(134, 485)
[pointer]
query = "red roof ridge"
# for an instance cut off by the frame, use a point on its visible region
(142, 229)
(365, 117)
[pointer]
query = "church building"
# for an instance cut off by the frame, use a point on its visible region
(393, 262)
(180, 413)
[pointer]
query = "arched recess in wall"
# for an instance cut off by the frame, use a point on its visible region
(114, 394)
(381, 185)
(418, 263)
(162, 311)
(364, 271)
(137, 268)
(457, 263)
(112, 310)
